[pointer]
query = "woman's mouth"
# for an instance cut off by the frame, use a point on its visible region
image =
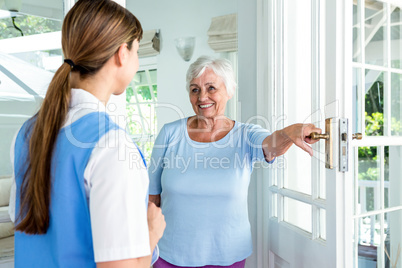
(205, 106)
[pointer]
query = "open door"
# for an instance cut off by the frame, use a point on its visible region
(309, 196)
(338, 60)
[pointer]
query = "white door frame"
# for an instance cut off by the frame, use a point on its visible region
(338, 83)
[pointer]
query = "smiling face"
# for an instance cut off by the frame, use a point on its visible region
(208, 95)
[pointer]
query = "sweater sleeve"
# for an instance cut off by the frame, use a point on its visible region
(255, 135)
(156, 165)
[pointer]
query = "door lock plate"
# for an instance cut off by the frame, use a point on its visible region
(343, 145)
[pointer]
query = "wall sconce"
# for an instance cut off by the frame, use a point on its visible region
(185, 47)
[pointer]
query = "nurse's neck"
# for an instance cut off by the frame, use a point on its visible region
(101, 85)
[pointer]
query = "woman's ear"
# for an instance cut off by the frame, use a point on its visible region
(231, 95)
(122, 54)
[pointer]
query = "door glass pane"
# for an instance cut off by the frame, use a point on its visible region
(299, 170)
(276, 173)
(393, 182)
(393, 239)
(274, 206)
(375, 33)
(297, 213)
(323, 229)
(396, 37)
(396, 107)
(368, 240)
(357, 100)
(298, 87)
(374, 102)
(386, 178)
(356, 34)
(369, 180)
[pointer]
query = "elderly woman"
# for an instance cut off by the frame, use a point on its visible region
(200, 172)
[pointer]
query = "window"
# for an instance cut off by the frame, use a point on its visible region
(38, 54)
(42, 35)
(141, 97)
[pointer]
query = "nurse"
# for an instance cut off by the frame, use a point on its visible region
(81, 183)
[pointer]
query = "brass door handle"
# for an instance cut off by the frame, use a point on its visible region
(357, 136)
(327, 136)
(343, 142)
(317, 136)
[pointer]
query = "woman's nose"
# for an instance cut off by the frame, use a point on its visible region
(203, 95)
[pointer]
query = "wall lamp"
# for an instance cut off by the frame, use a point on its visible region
(185, 47)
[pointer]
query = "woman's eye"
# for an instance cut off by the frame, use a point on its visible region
(211, 88)
(194, 90)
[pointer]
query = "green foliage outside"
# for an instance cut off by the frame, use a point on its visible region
(142, 117)
(29, 25)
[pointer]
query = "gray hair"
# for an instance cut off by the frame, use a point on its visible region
(221, 67)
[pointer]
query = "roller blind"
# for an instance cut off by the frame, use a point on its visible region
(223, 33)
(149, 44)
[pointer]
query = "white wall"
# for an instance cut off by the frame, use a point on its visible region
(183, 18)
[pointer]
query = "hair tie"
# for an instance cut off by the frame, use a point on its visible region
(70, 62)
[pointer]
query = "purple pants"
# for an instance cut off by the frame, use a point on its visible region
(161, 263)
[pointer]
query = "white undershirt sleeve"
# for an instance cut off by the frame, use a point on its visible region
(118, 182)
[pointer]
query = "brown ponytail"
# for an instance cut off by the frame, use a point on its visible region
(92, 33)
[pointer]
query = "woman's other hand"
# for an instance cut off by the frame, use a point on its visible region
(156, 224)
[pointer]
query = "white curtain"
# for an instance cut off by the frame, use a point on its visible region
(149, 44)
(223, 33)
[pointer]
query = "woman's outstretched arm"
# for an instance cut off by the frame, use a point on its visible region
(281, 140)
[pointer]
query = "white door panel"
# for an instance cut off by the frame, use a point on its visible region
(309, 204)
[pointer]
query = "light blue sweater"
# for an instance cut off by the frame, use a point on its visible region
(203, 188)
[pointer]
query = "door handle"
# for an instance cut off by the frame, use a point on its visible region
(317, 136)
(327, 136)
(357, 136)
(343, 143)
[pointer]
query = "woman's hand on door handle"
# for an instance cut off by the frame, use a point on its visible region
(281, 140)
